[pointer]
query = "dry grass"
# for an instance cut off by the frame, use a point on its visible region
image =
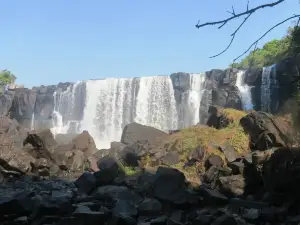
(187, 140)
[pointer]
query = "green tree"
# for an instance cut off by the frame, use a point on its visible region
(273, 51)
(6, 77)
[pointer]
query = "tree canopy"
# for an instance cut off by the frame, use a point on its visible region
(6, 77)
(273, 51)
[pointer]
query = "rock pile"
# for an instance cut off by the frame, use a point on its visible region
(45, 182)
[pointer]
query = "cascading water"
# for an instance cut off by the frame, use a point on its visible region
(189, 108)
(156, 105)
(268, 83)
(245, 91)
(32, 122)
(109, 107)
(67, 107)
(110, 104)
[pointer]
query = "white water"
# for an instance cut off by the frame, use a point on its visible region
(107, 109)
(110, 104)
(268, 80)
(245, 91)
(64, 111)
(32, 122)
(197, 82)
(156, 105)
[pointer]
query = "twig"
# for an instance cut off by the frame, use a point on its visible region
(248, 11)
(232, 37)
(261, 37)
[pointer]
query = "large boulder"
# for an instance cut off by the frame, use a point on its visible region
(281, 172)
(41, 140)
(264, 131)
(85, 143)
(217, 118)
(135, 132)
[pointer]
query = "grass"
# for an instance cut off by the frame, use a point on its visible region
(188, 139)
(129, 171)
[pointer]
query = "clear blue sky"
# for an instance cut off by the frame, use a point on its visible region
(51, 41)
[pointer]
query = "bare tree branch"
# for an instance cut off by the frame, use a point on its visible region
(247, 12)
(261, 37)
(232, 37)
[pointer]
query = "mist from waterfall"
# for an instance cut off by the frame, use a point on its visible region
(244, 90)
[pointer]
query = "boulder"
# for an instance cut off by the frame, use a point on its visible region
(264, 131)
(232, 185)
(41, 140)
(85, 143)
(135, 132)
(110, 169)
(213, 160)
(170, 185)
(281, 172)
(217, 118)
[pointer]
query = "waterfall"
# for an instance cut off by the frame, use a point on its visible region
(32, 122)
(195, 96)
(268, 83)
(245, 91)
(68, 105)
(156, 105)
(189, 108)
(104, 107)
(109, 107)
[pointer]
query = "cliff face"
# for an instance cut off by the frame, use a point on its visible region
(216, 87)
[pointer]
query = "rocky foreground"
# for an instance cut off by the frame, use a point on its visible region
(239, 169)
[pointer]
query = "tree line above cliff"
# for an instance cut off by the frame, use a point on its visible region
(273, 51)
(6, 77)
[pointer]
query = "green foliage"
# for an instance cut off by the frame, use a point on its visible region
(6, 77)
(129, 171)
(273, 51)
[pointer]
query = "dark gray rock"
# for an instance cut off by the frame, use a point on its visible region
(171, 158)
(264, 131)
(23, 106)
(229, 153)
(110, 169)
(124, 208)
(118, 193)
(232, 185)
(86, 182)
(150, 207)
(135, 132)
(170, 185)
(213, 160)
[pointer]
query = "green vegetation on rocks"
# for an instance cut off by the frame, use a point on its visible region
(273, 51)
